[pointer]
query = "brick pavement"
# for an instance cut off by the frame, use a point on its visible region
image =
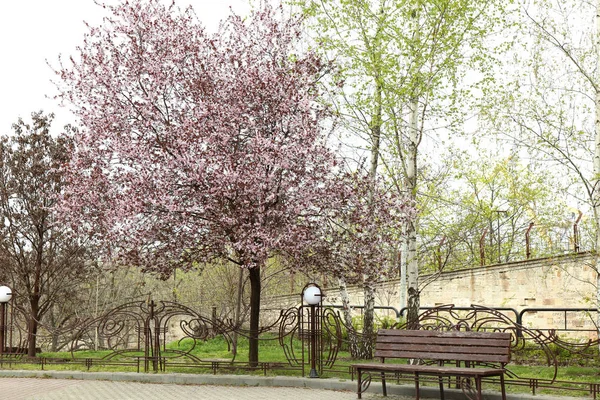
(65, 389)
(78, 385)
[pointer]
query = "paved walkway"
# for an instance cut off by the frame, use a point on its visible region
(65, 385)
(64, 389)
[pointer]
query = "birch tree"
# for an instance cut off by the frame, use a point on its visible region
(39, 259)
(403, 77)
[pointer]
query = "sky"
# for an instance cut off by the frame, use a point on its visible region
(33, 33)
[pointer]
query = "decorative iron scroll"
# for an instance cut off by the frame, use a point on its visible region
(15, 332)
(141, 330)
(579, 348)
(365, 381)
(332, 336)
(293, 335)
(151, 334)
(142, 327)
(288, 335)
(466, 385)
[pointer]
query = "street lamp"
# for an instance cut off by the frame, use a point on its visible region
(312, 295)
(5, 296)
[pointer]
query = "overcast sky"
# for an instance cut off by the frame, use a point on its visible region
(34, 32)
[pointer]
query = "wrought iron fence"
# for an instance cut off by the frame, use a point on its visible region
(161, 336)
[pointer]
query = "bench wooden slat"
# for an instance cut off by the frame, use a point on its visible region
(442, 356)
(445, 356)
(441, 345)
(431, 369)
(500, 351)
(450, 341)
(443, 334)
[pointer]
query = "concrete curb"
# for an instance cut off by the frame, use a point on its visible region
(272, 381)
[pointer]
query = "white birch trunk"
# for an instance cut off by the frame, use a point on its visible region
(412, 269)
(596, 178)
(366, 349)
(403, 264)
(345, 302)
(353, 342)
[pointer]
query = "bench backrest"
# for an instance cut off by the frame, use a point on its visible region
(493, 347)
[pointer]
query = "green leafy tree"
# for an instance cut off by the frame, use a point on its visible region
(551, 99)
(402, 78)
(492, 200)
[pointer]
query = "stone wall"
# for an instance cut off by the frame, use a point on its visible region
(565, 281)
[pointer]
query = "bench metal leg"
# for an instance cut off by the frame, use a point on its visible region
(478, 386)
(383, 383)
(417, 385)
(363, 381)
(441, 381)
(502, 387)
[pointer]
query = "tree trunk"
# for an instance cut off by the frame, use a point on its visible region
(345, 302)
(403, 264)
(254, 315)
(353, 347)
(376, 122)
(412, 316)
(238, 311)
(596, 179)
(34, 299)
(412, 270)
(55, 324)
(33, 326)
(366, 351)
(596, 195)
(360, 346)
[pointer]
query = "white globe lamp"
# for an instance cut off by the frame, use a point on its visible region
(312, 295)
(5, 294)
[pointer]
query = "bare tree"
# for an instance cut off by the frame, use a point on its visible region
(38, 258)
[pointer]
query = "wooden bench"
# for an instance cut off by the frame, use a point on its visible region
(473, 355)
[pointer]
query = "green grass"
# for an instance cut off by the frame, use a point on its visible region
(77, 354)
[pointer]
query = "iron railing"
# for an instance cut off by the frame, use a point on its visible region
(141, 336)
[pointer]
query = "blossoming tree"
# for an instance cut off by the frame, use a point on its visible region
(195, 147)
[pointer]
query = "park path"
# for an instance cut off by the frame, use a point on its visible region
(78, 385)
(70, 389)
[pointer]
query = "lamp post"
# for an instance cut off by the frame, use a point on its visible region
(5, 296)
(312, 296)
